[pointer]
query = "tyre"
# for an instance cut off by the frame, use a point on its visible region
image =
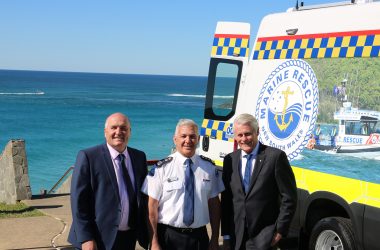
(332, 233)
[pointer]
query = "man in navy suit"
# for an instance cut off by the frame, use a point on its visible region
(108, 209)
(260, 194)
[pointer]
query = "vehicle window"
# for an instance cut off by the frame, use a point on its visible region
(222, 88)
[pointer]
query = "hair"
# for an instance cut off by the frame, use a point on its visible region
(186, 122)
(247, 119)
(118, 113)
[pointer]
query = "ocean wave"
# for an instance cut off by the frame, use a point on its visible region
(201, 96)
(23, 93)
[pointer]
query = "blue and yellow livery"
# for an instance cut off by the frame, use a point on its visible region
(217, 130)
(290, 81)
(328, 45)
(230, 45)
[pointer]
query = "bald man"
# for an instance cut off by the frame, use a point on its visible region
(108, 209)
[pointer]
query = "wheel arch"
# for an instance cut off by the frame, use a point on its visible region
(322, 204)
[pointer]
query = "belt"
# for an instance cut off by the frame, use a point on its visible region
(185, 229)
(125, 231)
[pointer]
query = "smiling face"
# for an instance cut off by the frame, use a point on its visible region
(246, 137)
(186, 140)
(117, 131)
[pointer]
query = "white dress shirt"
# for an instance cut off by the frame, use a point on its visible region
(167, 185)
(243, 160)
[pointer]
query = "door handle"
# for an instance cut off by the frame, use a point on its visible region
(205, 143)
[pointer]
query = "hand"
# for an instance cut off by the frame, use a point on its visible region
(276, 238)
(155, 245)
(226, 245)
(89, 245)
(213, 245)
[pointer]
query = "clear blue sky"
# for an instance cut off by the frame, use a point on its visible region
(123, 36)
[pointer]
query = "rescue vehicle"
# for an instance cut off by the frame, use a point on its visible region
(285, 83)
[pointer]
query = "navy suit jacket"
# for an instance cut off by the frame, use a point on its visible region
(269, 204)
(95, 201)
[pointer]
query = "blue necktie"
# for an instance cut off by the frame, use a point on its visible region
(188, 211)
(131, 193)
(247, 172)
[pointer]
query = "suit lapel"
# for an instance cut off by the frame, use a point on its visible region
(110, 169)
(236, 168)
(257, 168)
(136, 174)
(135, 168)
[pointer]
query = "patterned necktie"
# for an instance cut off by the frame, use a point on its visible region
(188, 213)
(247, 172)
(131, 193)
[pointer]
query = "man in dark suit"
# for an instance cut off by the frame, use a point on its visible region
(108, 209)
(260, 194)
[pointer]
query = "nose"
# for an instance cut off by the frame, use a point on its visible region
(118, 130)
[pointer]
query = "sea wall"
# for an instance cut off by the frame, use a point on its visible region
(14, 179)
(65, 187)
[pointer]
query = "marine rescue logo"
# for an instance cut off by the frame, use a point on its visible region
(287, 107)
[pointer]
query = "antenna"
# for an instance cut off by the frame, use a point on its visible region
(297, 5)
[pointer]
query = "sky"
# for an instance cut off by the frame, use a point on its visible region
(158, 37)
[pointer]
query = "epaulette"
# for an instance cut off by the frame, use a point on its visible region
(159, 164)
(164, 161)
(207, 159)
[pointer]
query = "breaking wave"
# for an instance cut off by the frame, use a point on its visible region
(201, 96)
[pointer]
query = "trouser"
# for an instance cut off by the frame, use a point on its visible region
(260, 242)
(172, 238)
(125, 240)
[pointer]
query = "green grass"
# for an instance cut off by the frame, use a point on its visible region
(17, 210)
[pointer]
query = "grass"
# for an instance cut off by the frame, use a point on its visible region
(18, 210)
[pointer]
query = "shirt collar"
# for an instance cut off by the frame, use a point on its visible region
(114, 153)
(182, 158)
(254, 152)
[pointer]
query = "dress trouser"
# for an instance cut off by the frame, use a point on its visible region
(259, 243)
(125, 240)
(171, 238)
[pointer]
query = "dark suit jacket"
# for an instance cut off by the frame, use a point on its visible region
(269, 205)
(95, 201)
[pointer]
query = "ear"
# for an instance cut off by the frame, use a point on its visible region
(198, 139)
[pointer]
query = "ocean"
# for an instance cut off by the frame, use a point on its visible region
(59, 113)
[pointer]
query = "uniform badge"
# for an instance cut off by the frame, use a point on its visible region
(216, 173)
(151, 171)
(172, 179)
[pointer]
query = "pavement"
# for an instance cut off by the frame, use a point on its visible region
(45, 232)
(42, 232)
